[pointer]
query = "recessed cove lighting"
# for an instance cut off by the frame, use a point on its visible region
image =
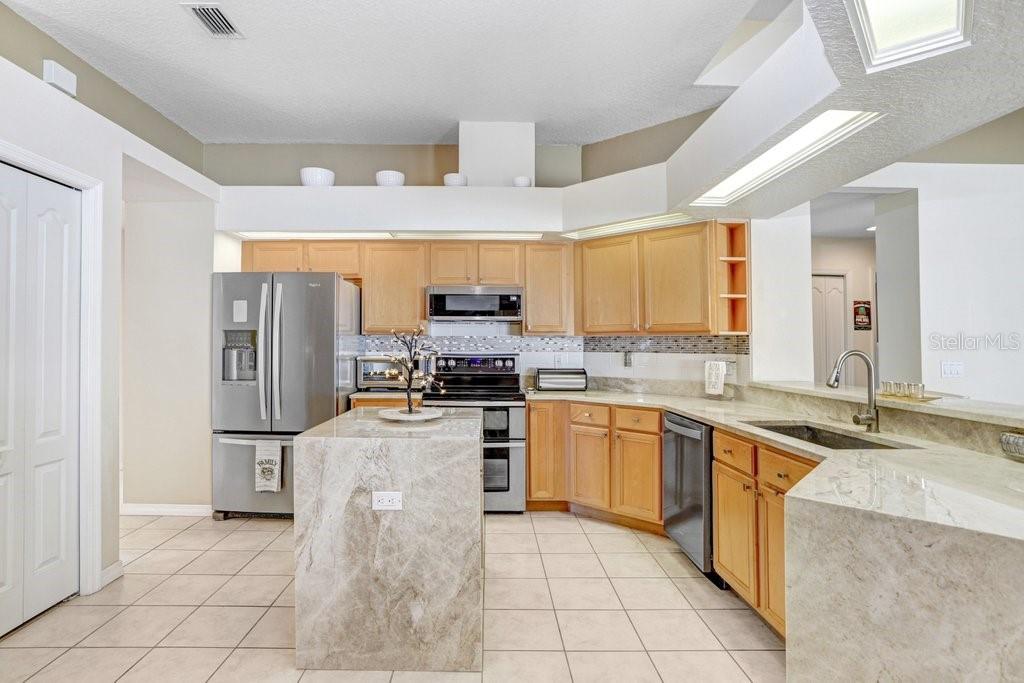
(454, 235)
(661, 221)
(872, 228)
(895, 32)
(314, 235)
(811, 139)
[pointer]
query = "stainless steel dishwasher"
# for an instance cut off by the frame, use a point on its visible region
(686, 499)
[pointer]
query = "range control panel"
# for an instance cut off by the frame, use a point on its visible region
(474, 364)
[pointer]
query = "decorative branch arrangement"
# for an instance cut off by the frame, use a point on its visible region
(415, 349)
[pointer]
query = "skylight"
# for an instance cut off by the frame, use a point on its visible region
(891, 33)
(813, 138)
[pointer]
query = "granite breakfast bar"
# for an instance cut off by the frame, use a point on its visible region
(389, 589)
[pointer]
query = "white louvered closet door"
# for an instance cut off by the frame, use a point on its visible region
(40, 230)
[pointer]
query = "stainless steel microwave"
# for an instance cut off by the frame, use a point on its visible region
(494, 304)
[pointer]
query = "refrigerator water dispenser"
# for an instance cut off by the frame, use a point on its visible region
(239, 356)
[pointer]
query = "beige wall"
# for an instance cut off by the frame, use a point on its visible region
(855, 258)
(640, 148)
(165, 397)
(25, 45)
(558, 165)
(997, 142)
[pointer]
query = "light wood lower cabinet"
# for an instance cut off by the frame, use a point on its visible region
(636, 475)
(734, 527)
(388, 402)
(589, 477)
(545, 432)
(749, 514)
(771, 556)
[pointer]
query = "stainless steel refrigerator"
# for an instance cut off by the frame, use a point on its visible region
(278, 369)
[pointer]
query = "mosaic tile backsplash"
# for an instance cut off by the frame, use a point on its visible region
(697, 344)
(690, 343)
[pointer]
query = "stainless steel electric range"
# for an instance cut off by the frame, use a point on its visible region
(490, 382)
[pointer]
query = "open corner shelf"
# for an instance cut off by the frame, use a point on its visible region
(732, 277)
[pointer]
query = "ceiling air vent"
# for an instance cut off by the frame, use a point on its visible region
(215, 21)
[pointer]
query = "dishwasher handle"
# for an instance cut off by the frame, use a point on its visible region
(688, 432)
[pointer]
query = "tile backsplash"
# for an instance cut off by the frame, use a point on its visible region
(677, 344)
(495, 344)
(689, 343)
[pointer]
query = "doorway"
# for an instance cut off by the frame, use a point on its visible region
(40, 352)
(828, 307)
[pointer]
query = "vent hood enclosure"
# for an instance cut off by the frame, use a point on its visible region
(492, 153)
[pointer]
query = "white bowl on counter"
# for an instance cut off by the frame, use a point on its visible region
(390, 178)
(522, 181)
(312, 176)
(455, 180)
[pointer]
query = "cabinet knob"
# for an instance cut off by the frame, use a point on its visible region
(727, 450)
(747, 487)
(636, 419)
(586, 414)
(782, 475)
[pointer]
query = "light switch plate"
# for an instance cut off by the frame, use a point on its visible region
(387, 500)
(952, 368)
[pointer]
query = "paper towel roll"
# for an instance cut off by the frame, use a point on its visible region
(714, 377)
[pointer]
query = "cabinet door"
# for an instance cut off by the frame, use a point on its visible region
(772, 556)
(735, 530)
(636, 475)
(588, 471)
(342, 258)
(545, 450)
(273, 257)
(610, 285)
(453, 263)
(393, 281)
(548, 292)
(501, 263)
(677, 279)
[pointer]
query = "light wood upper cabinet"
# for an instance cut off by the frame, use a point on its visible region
(453, 263)
(771, 513)
(394, 275)
(609, 283)
(548, 292)
(677, 279)
(546, 422)
(272, 256)
(636, 475)
(343, 258)
(500, 263)
(589, 476)
(734, 524)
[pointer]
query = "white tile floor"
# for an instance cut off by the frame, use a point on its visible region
(565, 599)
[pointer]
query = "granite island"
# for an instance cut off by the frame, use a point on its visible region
(389, 589)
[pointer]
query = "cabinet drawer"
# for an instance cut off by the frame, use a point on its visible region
(582, 413)
(734, 452)
(778, 470)
(638, 420)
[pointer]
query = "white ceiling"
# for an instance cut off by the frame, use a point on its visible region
(404, 71)
(843, 214)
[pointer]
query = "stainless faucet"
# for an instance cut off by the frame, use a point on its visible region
(870, 418)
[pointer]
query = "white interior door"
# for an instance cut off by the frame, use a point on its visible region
(39, 338)
(828, 299)
(13, 201)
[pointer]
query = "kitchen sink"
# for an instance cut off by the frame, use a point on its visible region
(821, 436)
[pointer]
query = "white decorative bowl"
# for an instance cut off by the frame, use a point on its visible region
(399, 414)
(390, 178)
(522, 181)
(311, 176)
(455, 179)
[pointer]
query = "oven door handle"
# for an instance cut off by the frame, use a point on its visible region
(507, 444)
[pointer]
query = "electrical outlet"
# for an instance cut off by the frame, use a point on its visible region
(952, 368)
(387, 500)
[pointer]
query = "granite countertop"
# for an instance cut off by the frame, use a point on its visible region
(364, 423)
(929, 482)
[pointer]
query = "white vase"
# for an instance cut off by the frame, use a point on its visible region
(390, 178)
(522, 181)
(312, 176)
(455, 179)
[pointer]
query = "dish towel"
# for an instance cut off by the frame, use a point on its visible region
(714, 377)
(268, 466)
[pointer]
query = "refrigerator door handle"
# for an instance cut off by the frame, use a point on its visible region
(261, 362)
(251, 442)
(275, 368)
